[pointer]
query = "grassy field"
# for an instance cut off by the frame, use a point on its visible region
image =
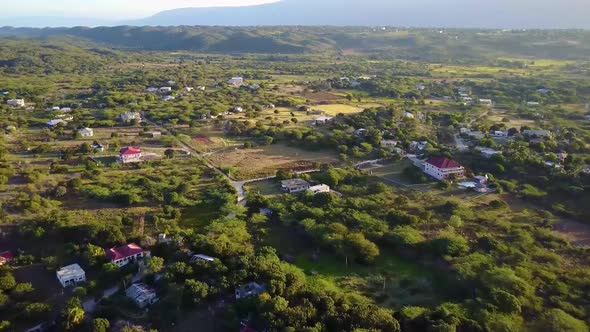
(265, 187)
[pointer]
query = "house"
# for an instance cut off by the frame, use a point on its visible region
(164, 238)
(151, 89)
(131, 116)
(238, 109)
(536, 133)
(142, 295)
(442, 168)
(124, 255)
(130, 154)
(86, 132)
(532, 103)
(360, 132)
(97, 146)
(408, 115)
(201, 257)
(201, 88)
(55, 108)
(155, 134)
(464, 131)
(165, 89)
(488, 152)
(388, 143)
(168, 98)
(236, 81)
(65, 109)
(322, 188)
(499, 133)
(189, 89)
(322, 120)
(6, 257)
(171, 82)
(56, 122)
(71, 275)
(420, 87)
(486, 102)
(467, 99)
(16, 102)
(294, 185)
(418, 146)
(251, 289)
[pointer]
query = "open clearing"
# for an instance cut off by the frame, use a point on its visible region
(335, 109)
(265, 161)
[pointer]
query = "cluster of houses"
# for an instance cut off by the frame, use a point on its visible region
(468, 99)
(16, 102)
(141, 294)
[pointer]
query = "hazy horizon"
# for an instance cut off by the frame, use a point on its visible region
(542, 14)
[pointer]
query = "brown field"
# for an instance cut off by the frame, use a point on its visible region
(321, 96)
(265, 161)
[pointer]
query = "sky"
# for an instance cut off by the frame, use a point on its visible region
(108, 9)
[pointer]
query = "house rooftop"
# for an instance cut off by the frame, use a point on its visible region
(123, 251)
(443, 163)
(130, 150)
(293, 183)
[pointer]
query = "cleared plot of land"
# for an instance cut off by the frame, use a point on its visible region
(321, 96)
(335, 109)
(265, 161)
(265, 187)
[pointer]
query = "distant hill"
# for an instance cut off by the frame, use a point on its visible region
(432, 45)
(416, 13)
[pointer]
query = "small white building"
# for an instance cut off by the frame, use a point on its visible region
(499, 133)
(189, 89)
(55, 123)
(16, 102)
(388, 143)
(322, 188)
(408, 115)
(238, 109)
(151, 89)
(86, 132)
(165, 89)
(420, 87)
(322, 120)
(201, 88)
(532, 103)
(71, 275)
(131, 116)
(203, 258)
(236, 81)
(488, 152)
(168, 98)
(142, 295)
(486, 102)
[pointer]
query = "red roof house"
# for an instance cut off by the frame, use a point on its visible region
(130, 154)
(442, 168)
(123, 255)
(6, 257)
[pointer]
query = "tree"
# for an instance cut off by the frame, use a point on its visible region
(100, 325)
(170, 153)
(194, 292)
(7, 281)
(73, 314)
(3, 299)
(557, 320)
(155, 264)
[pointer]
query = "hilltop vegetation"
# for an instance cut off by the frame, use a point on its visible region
(449, 45)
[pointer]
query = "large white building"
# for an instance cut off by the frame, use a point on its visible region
(442, 168)
(71, 275)
(322, 188)
(16, 102)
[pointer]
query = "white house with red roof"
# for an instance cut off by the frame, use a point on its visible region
(442, 168)
(124, 255)
(5, 257)
(130, 154)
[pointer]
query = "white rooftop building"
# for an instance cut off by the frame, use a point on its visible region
(322, 188)
(86, 132)
(55, 122)
(130, 116)
(201, 257)
(16, 102)
(71, 275)
(236, 81)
